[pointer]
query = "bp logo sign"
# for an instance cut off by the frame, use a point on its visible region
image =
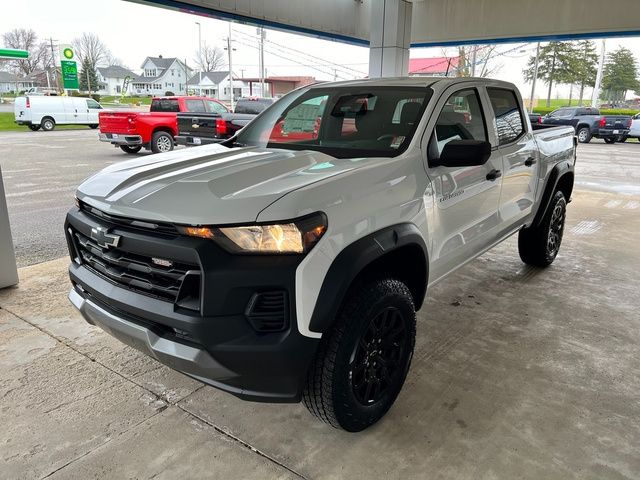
(68, 67)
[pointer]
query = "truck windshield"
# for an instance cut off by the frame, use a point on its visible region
(344, 122)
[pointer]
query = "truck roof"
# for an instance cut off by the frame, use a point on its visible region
(413, 82)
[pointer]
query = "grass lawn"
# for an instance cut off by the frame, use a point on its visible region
(126, 100)
(7, 124)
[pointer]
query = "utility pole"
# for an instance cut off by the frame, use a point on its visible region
(262, 35)
(53, 63)
(229, 49)
(596, 87)
(199, 58)
(186, 77)
(535, 77)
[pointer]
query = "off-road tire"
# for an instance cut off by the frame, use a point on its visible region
(129, 149)
(47, 124)
(331, 392)
(161, 142)
(539, 246)
(584, 135)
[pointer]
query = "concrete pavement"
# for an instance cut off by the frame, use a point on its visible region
(518, 373)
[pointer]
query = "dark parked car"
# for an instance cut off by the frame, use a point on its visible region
(205, 128)
(589, 123)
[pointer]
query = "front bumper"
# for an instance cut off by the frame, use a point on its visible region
(215, 342)
(191, 141)
(120, 139)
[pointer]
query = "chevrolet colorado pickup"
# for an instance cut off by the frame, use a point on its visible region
(589, 124)
(286, 269)
(153, 130)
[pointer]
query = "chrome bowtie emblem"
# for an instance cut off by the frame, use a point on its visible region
(103, 238)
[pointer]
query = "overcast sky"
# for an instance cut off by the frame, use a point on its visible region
(133, 32)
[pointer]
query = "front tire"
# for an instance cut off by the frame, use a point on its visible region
(131, 150)
(609, 140)
(539, 246)
(161, 142)
(48, 124)
(584, 135)
(362, 362)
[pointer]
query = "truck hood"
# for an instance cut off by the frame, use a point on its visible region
(211, 184)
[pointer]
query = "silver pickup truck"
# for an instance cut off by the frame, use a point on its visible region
(287, 264)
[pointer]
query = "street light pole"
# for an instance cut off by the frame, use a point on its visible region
(199, 58)
(535, 77)
(261, 32)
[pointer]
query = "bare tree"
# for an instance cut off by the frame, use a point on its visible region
(27, 39)
(89, 46)
(211, 59)
(111, 59)
(482, 54)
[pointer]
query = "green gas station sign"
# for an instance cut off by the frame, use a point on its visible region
(69, 67)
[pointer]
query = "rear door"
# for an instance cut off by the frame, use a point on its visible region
(517, 148)
(466, 198)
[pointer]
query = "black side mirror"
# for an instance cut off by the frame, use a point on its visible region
(463, 153)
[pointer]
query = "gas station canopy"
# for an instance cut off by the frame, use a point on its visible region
(432, 22)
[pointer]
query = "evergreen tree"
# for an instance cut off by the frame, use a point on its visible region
(554, 63)
(620, 75)
(88, 77)
(585, 65)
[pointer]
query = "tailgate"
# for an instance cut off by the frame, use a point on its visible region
(197, 125)
(117, 122)
(617, 122)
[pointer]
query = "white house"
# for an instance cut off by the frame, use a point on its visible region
(216, 85)
(10, 82)
(111, 79)
(161, 75)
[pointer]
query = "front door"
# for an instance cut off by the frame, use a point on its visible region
(465, 214)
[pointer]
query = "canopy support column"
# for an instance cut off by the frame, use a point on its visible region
(390, 38)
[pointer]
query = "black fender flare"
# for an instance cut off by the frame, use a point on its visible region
(551, 185)
(353, 259)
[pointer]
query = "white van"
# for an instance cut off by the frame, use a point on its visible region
(48, 111)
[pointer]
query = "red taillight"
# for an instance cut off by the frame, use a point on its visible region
(540, 119)
(221, 126)
(28, 103)
(602, 123)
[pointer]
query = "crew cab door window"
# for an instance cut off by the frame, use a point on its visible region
(196, 106)
(508, 116)
(461, 118)
(165, 105)
(216, 107)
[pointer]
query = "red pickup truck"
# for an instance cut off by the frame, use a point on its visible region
(153, 130)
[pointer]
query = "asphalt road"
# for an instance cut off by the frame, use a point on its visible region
(42, 169)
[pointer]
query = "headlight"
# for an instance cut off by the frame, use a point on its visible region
(296, 236)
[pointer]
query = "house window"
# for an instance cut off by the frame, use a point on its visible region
(172, 72)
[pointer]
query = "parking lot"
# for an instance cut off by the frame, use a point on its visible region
(545, 387)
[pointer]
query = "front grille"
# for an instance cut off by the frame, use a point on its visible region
(267, 311)
(136, 272)
(156, 227)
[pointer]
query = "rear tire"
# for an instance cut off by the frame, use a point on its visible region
(362, 362)
(161, 142)
(93, 126)
(622, 139)
(584, 135)
(609, 140)
(34, 128)
(539, 246)
(131, 150)
(48, 124)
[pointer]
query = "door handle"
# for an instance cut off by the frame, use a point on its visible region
(529, 161)
(493, 174)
